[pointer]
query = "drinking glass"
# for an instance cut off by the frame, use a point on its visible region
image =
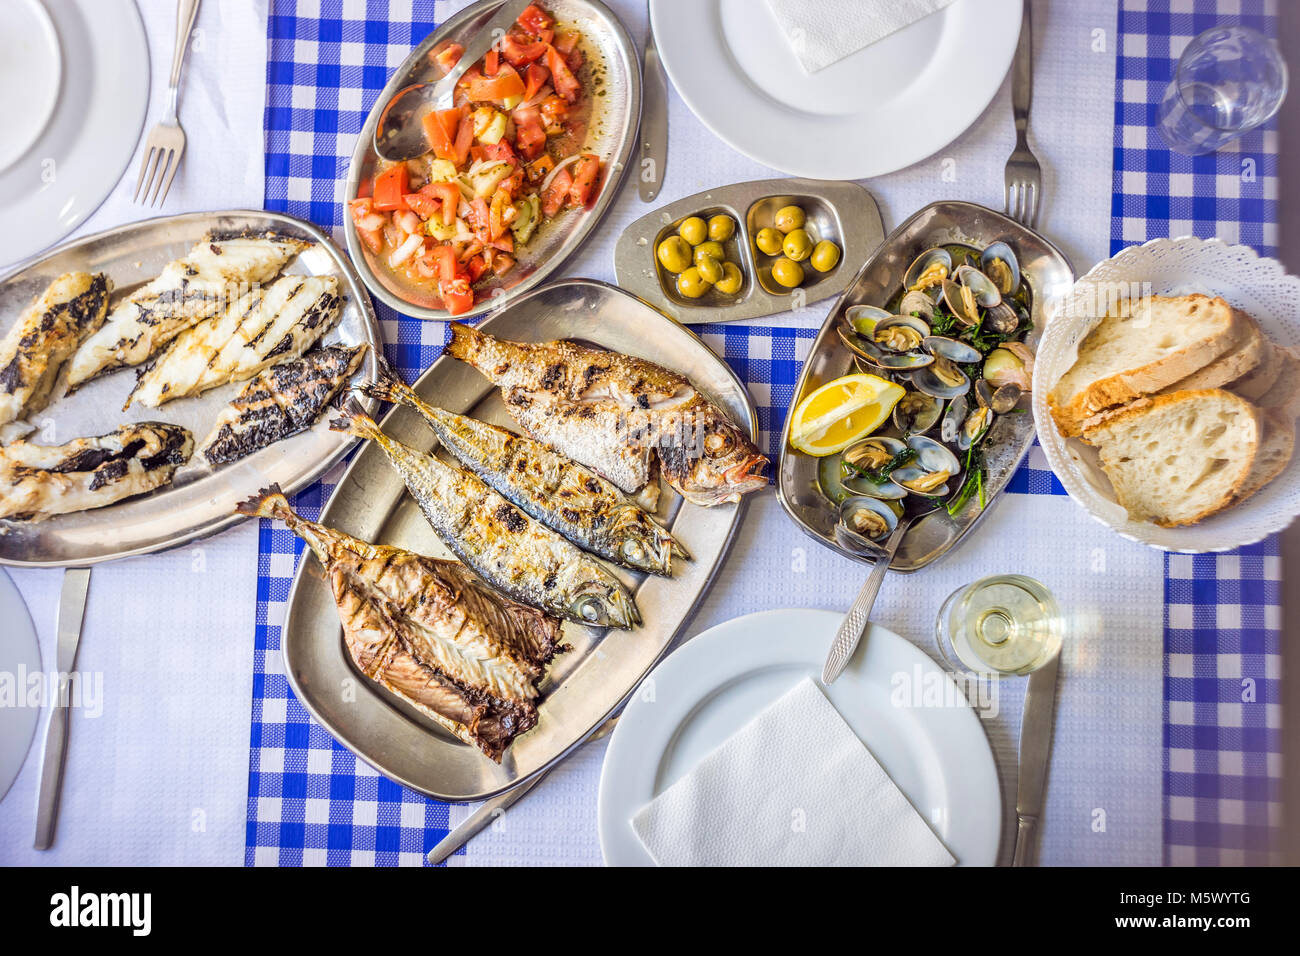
(1004, 624)
(1227, 82)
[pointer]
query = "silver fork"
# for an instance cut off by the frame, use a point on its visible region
(1024, 177)
(166, 142)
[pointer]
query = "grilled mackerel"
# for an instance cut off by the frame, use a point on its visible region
(37, 481)
(587, 509)
(512, 552)
(266, 325)
(618, 414)
(283, 401)
(431, 633)
(45, 335)
(217, 271)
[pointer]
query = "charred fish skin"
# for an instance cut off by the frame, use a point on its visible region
(589, 510)
(511, 551)
(612, 412)
(39, 481)
(47, 333)
(431, 633)
(281, 402)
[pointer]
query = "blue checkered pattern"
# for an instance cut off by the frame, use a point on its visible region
(1222, 724)
(311, 802)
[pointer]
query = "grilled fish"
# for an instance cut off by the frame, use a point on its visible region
(45, 335)
(515, 554)
(587, 509)
(214, 273)
(266, 325)
(41, 480)
(282, 401)
(431, 632)
(616, 414)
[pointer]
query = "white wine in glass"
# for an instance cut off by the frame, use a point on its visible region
(1005, 624)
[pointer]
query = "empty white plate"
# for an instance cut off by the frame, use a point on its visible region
(30, 69)
(20, 658)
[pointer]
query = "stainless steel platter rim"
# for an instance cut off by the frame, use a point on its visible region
(308, 565)
(616, 170)
(356, 291)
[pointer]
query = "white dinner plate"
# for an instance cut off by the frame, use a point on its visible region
(20, 658)
(885, 107)
(70, 152)
(717, 682)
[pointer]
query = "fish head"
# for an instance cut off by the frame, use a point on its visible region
(718, 464)
(601, 605)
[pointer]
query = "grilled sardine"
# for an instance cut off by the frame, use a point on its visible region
(282, 401)
(587, 509)
(43, 338)
(515, 554)
(216, 272)
(431, 632)
(41, 480)
(616, 414)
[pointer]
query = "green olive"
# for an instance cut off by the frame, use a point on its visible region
(825, 256)
(787, 273)
(798, 245)
(674, 254)
(788, 218)
(721, 228)
(710, 269)
(712, 248)
(691, 284)
(694, 230)
(732, 279)
(768, 241)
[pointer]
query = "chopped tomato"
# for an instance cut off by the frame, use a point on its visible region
(530, 135)
(440, 130)
(512, 183)
(554, 110)
(446, 58)
(446, 196)
(480, 219)
(534, 19)
(500, 215)
(464, 137)
(566, 41)
(502, 263)
(457, 296)
(519, 52)
(574, 59)
(491, 61)
(390, 186)
(539, 167)
(475, 268)
(557, 193)
(426, 207)
(499, 150)
(496, 89)
(586, 172)
(535, 78)
(369, 224)
(562, 78)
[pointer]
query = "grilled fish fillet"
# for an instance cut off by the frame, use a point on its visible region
(616, 414)
(587, 509)
(217, 271)
(41, 480)
(45, 335)
(266, 325)
(431, 632)
(283, 401)
(515, 554)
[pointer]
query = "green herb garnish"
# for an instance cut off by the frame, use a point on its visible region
(880, 475)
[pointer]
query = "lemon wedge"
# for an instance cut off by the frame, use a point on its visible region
(842, 411)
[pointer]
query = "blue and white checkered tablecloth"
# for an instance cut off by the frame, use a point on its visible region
(311, 801)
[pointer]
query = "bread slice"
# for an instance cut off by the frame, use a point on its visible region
(1283, 395)
(1179, 457)
(1276, 445)
(1260, 379)
(1159, 341)
(1243, 358)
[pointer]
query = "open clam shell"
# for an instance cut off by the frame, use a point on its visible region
(872, 453)
(942, 378)
(1000, 264)
(862, 319)
(930, 472)
(864, 521)
(981, 286)
(900, 333)
(928, 271)
(975, 426)
(953, 418)
(878, 358)
(960, 301)
(916, 412)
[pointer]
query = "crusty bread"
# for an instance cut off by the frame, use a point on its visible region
(1276, 445)
(1179, 457)
(1244, 357)
(1284, 394)
(1155, 343)
(1260, 379)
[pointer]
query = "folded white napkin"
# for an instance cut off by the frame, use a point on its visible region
(823, 32)
(793, 787)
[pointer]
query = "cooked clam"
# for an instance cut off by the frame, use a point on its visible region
(960, 300)
(872, 454)
(928, 270)
(916, 412)
(929, 472)
(952, 349)
(1000, 264)
(973, 429)
(900, 333)
(941, 378)
(862, 319)
(1011, 363)
(866, 520)
(981, 286)
(918, 304)
(1005, 398)
(879, 358)
(954, 417)
(1001, 318)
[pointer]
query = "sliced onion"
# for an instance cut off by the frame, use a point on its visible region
(537, 99)
(372, 222)
(558, 166)
(405, 251)
(407, 221)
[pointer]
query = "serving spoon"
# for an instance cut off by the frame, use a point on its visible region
(399, 134)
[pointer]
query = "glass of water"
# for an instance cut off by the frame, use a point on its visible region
(1227, 82)
(1004, 624)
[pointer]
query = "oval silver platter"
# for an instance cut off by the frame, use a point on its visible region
(842, 212)
(1050, 277)
(201, 499)
(584, 685)
(611, 59)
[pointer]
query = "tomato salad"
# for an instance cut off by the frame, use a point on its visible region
(505, 159)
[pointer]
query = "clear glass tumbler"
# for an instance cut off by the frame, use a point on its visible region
(1227, 82)
(1004, 624)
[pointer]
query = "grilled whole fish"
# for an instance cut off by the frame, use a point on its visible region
(41, 480)
(217, 271)
(431, 632)
(515, 554)
(616, 413)
(283, 401)
(587, 509)
(266, 325)
(45, 335)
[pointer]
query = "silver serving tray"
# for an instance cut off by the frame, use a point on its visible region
(845, 213)
(1050, 277)
(616, 115)
(201, 500)
(584, 685)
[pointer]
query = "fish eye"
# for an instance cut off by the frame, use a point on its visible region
(590, 610)
(718, 443)
(633, 551)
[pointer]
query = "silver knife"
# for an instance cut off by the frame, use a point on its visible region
(1035, 753)
(72, 607)
(493, 807)
(654, 122)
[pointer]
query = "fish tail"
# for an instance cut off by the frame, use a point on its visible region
(356, 422)
(267, 503)
(388, 386)
(465, 342)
